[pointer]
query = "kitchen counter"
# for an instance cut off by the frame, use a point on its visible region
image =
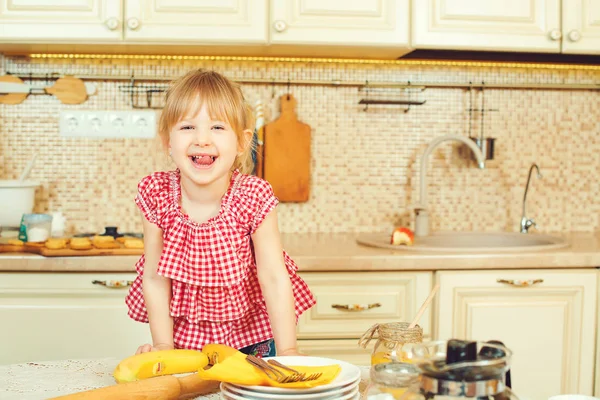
(44, 380)
(340, 252)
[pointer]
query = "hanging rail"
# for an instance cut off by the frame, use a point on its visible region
(339, 83)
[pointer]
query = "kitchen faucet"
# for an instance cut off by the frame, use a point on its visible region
(421, 214)
(527, 223)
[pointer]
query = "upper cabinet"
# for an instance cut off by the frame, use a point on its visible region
(511, 25)
(135, 21)
(340, 22)
(196, 21)
(365, 28)
(581, 27)
(60, 20)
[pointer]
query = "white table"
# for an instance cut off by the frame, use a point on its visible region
(43, 380)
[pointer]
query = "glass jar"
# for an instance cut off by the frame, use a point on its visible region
(393, 381)
(35, 227)
(394, 341)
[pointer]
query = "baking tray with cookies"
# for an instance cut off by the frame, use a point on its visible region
(98, 245)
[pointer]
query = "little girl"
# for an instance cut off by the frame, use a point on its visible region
(214, 270)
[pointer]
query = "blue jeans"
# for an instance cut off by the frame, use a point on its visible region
(262, 349)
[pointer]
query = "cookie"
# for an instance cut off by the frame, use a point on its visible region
(133, 243)
(56, 243)
(106, 244)
(80, 244)
(15, 242)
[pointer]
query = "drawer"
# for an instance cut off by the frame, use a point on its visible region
(339, 349)
(392, 296)
(55, 316)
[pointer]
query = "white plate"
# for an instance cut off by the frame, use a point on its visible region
(262, 396)
(348, 375)
(225, 396)
(329, 394)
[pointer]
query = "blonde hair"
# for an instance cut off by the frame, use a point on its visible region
(224, 100)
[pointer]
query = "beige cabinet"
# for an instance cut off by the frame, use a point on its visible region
(550, 324)
(581, 27)
(597, 385)
(196, 21)
(513, 25)
(542, 26)
(340, 22)
(56, 316)
(376, 23)
(135, 21)
(60, 20)
(349, 303)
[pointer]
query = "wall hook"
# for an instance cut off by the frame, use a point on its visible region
(272, 88)
(366, 96)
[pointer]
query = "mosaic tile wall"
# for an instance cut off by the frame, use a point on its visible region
(365, 164)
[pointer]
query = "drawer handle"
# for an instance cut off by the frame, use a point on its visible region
(113, 284)
(355, 307)
(520, 283)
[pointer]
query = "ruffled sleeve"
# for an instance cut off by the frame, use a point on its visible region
(151, 196)
(256, 201)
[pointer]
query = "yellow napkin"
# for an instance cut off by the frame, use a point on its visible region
(238, 371)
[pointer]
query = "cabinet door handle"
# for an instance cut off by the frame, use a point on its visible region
(133, 23)
(280, 25)
(355, 307)
(112, 23)
(520, 283)
(555, 34)
(115, 284)
(574, 35)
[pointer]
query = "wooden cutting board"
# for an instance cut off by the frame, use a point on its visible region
(68, 89)
(46, 252)
(286, 163)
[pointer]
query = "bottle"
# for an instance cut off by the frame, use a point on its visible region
(58, 225)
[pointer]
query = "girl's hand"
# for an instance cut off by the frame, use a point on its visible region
(290, 352)
(146, 348)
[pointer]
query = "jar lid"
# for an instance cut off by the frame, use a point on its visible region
(395, 374)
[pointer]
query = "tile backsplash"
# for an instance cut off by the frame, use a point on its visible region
(365, 163)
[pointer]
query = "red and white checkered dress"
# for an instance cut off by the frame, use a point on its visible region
(216, 296)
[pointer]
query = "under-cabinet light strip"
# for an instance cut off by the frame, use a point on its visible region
(445, 63)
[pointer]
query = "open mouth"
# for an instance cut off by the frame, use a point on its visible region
(202, 160)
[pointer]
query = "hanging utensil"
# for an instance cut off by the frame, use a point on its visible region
(485, 144)
(287, 154)
(68, 89)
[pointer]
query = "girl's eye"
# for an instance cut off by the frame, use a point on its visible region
(220, 127)
(186, 127)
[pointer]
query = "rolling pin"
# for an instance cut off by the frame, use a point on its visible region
(167, 387)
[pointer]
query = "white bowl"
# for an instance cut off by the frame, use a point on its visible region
(16, 199)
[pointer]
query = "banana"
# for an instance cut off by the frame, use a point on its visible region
(157, 363)
(217, 353)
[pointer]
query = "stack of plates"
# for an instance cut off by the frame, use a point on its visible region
(343, 387)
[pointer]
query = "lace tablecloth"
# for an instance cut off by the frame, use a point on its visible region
(43, 380)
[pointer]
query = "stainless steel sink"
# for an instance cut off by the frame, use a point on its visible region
(467, 242)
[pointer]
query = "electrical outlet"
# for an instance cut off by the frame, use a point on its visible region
(108, 124)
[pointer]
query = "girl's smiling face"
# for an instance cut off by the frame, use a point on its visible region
(203, 147)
